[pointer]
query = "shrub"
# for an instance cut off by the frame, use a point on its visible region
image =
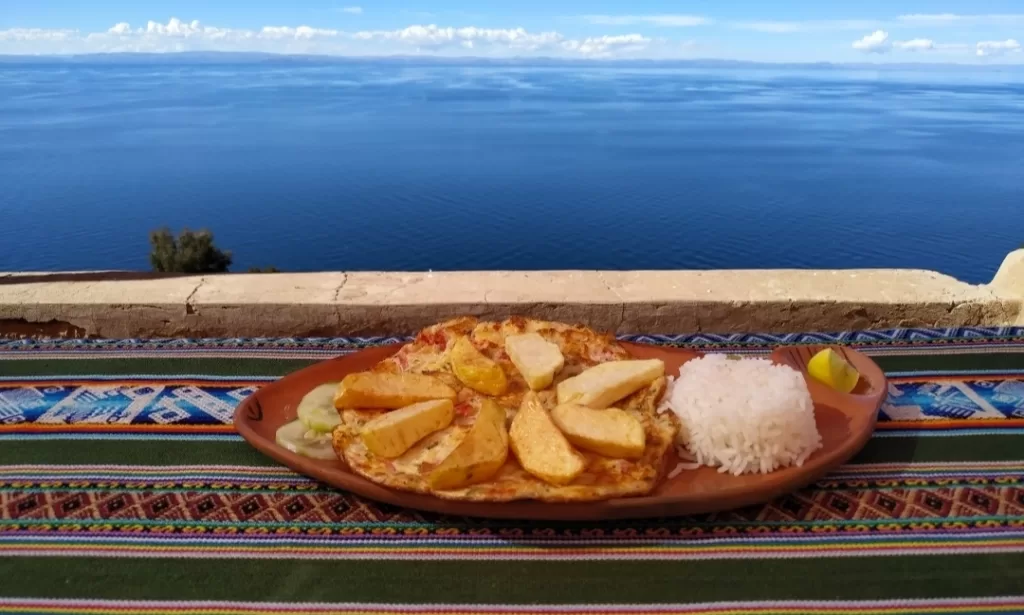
(189, 252)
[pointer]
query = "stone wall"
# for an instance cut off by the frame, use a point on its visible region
(123, 304)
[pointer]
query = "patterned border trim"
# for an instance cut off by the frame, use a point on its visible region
(908, 337)
(176, 405)
(316, 547)
(85, 431)
(905, 474)
(890, 337)
(270, 513)
(931, 606)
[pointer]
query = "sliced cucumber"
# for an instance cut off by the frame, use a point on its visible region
(298, 438)
(316, 410)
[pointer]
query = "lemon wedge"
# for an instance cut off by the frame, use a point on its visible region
(833, 370)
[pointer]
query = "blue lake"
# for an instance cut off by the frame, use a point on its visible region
(365, 166)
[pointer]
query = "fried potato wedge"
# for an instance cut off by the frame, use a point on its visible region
(537, 359)
(475, 370)
(393, 433)
(610, 432)
(606, 383)
(480, 454)
(388, 391)
(540, 447)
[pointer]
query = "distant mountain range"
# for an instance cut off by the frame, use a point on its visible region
(231, 57)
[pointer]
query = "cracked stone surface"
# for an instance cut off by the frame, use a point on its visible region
(245, 304)
(124, 308)
(364, 303)
(189, 305)
(341, 286)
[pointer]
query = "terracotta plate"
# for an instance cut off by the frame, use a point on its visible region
(844, 421)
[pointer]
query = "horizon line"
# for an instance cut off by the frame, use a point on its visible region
(509, 59)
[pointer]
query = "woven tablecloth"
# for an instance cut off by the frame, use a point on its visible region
(123, 488)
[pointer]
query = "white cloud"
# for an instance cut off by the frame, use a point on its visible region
(179, 35)
(995, 48)
(926, 44)
(435, 36)
(604, 46)
(352, 10)
(175, 27)
(946, 19)
(302, 32)
(667, 20)
(876, 42)
(434, 40)
(917, 44)
(936, 18)
(786, 27)
(515, 39)
(36, 34)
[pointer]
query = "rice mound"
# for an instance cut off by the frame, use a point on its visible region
(743, 415)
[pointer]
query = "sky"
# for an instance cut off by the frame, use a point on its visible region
(940, 31)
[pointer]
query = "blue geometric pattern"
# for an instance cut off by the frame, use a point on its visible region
(955, 399)
(915, 337)
(166, 400)
(167, 404)
(1006, 396)
(120, 404)
(895, 337)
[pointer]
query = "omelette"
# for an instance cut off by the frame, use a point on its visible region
(500, 411)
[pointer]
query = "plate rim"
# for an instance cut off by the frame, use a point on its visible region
(250, 410)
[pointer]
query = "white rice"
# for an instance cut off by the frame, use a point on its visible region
(743, 416)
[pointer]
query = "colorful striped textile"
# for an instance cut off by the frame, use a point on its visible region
(124, 489)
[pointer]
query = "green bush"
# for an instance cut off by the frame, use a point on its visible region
(189, 252)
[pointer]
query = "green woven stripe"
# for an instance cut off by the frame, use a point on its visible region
(490, 582)
(943, 362)
(158, 452)
(130, 452)
(243, 367)
(503, 582)
(960, 448)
